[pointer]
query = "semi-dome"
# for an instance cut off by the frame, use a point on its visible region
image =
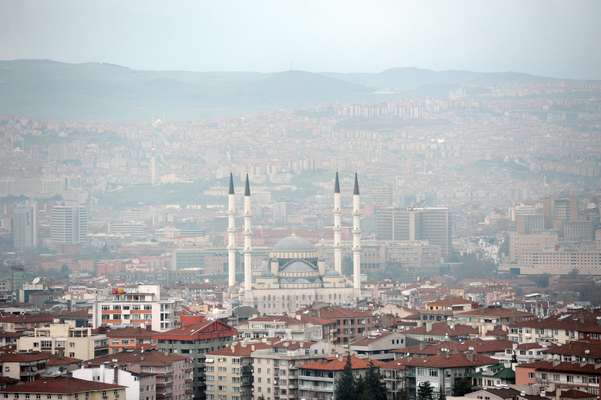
(298, 267)
(293, 244)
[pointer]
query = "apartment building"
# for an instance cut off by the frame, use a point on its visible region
(131, 338)
(229, 371)
(317, 378)
(276, 369)
(555, 375)
(173, 372)
(195, 341)
(138, 386)
(24, 367)
(140, 306)
(65, 340)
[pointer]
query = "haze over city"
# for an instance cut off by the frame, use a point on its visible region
(331, 200)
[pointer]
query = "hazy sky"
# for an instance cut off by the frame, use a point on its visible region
(557, 38)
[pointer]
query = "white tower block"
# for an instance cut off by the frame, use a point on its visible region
(231, 235)
(247, 238)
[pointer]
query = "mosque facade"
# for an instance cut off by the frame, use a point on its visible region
(295, 277)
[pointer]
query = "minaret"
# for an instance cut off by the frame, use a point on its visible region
(247, 239)
(337, 227)
(231, 234)
(356, 238)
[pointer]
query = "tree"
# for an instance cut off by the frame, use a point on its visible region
(425, 391)
(376, 389)
(345, 386)
(462, 386)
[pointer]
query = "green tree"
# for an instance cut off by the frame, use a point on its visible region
(375, 386)
(361, 389)
(425, 391)
(462, 386)
(345, 386)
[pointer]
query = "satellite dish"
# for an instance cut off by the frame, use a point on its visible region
(36, 280)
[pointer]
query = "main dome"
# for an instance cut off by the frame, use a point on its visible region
(293, 244)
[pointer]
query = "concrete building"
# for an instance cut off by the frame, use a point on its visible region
(317, 378)
(173, 372)
(24, 367)
(195, 341)
(229, 371)
(63, 388)
(431, 223)
(24, 227)
(140, 306)
(65, 340)
(276, 369)
(138, 386)
(131, 338)
(69, 224)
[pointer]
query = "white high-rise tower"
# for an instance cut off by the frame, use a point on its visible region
(247, 238)
(356, 238)
(231, 234)
(337, 227)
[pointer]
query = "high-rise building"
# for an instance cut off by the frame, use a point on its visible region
(392, 223)
(24, 227)
(69, 224)
(431, 223)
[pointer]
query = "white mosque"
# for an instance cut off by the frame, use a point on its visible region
(296, 277)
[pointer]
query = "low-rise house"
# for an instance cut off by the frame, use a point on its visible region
(24, 367)
(24, 322)
(489, 318)
(440, 331)
(562, 375)
(349, 323)
(580, 352)
(64, 388)
(444, 371)
(378, 346)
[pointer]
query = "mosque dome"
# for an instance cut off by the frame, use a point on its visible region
(293, 244)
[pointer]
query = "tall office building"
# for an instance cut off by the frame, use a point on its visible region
(392, 223)
(431, 223)
(69, 224)
(24, 227)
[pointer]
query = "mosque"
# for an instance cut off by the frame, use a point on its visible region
(296, 277)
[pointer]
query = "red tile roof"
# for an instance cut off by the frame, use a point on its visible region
(335, 364)
(478, 346)
(579, 349)
(131, 332)
(496, 312)
(23, 357)
(146, 358)
(456, 360)
(27, 318)
(61, 385)
(550, 366)
(239, 349)
(57, 361)
(442, 329)
(392, 364)
(203, 330)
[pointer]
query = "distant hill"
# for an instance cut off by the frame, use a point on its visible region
(416, 78)
(97, 91)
